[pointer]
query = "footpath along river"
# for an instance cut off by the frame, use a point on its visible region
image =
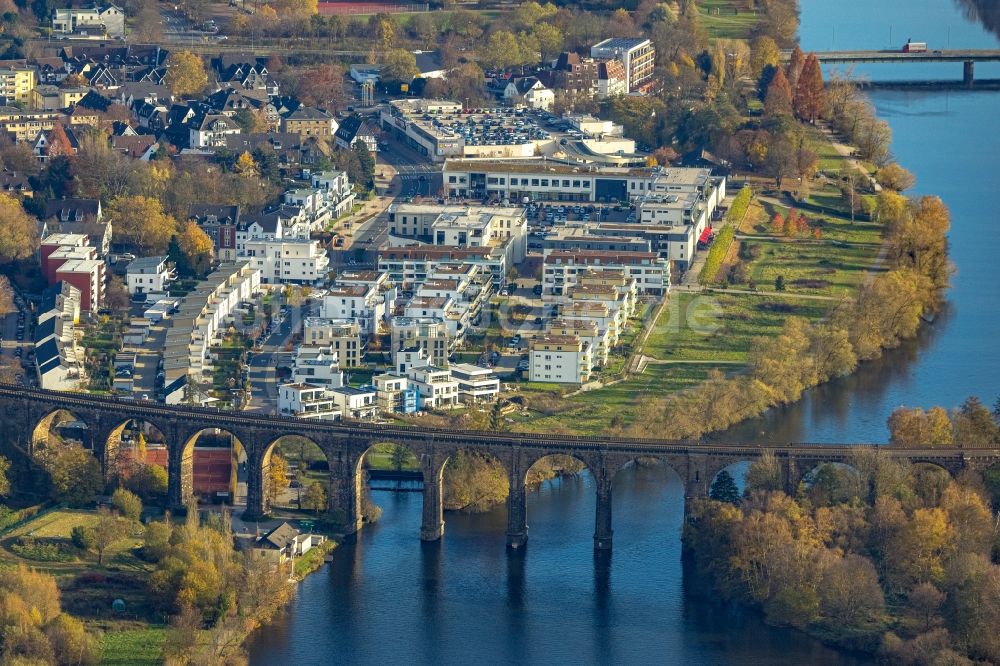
(389, 598)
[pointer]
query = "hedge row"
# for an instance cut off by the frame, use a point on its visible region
(717, 253)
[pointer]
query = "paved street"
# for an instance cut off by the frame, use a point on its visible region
(264, 364)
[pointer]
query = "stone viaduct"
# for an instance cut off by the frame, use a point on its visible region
(26, 414)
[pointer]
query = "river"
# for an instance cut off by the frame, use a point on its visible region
(390, 598)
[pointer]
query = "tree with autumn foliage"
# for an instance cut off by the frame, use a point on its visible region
(186, 73)
(58, 142)
(196, 248)
(778, 224)
(246, 166)
(810, 95)
(141, 222)
(778, 100)
(18, 231)
(796, 62)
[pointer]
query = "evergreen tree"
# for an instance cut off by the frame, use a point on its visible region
(724, 489)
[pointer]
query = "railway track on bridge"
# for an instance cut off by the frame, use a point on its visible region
(139, 409)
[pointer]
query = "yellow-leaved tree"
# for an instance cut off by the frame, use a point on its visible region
(18, 231)
(141, 221)
(186, 73)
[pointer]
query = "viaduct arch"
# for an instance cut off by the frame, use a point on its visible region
(345, 443)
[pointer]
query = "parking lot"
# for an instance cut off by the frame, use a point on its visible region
(501, 126)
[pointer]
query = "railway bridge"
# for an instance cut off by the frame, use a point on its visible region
(26, 415)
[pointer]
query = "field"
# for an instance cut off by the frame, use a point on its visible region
(726, 19)
(133, 647)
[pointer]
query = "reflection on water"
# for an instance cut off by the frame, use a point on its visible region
(388, 597)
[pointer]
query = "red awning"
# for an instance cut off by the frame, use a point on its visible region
(704, 235)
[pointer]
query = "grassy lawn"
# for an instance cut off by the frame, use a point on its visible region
(55, 527)
(834, 227)
(593, 411)
(721, 327)
(726, 19)
(133, 647)
(827, 269)
(380, 457)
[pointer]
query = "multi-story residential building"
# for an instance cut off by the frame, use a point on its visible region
(148, 275)
(573, 75)
(560, 359)
(59, 360)
(636, 54)
(395, 394)
(606, 318)
(52, 98)
(625, 287)
(650, 272)
(307, 121)
(475, 384)
(409, 266)
(365, 304)
(96, 21)
(289, 261)
(355, 129)
(307, 401)
(612, 79)
(51, 245)
(343, 336)
(87, 275)
(211, 131)
(587, 330)
(16, 84)
(197, 323)
(429, 334)
(438, 390)
(582, 237)
(357, 403)
(317, 365)
(27, 125)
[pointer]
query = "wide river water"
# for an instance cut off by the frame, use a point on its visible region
(389, 598)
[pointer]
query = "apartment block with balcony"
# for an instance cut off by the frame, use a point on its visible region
(307, 401)
(560, 359)
(342, 336)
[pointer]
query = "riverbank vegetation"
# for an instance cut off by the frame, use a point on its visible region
(880, 555)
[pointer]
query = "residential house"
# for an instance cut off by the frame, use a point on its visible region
(353, 129)
(307, 121)
(108, 21)
(148, 275)
(528, 91)
(307, 401)
(560, 359)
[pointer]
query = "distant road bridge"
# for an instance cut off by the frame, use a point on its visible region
(969, 57)
(28, 415)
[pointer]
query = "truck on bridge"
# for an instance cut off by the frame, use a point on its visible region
(914, 47)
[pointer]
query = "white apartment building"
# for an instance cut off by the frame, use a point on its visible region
(200, 317)
(504, 227)
(289, 261)
(97, 21)
(650, 271)
(59, 361)
(307, 401)
(317, 365)
(357, 403)
(587, 330)
(560, 359)
(438, 390)
(147, 275)
(337, 189)
(365, 304)
(475, 384)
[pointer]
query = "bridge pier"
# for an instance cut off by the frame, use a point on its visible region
(180, 475)
(258, 500)
(602, 523)
(517, 511)
(432, 520)
(968, 73)
(345, 491)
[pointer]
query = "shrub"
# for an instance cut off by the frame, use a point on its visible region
(42, 551)
(83, 537)
(717, 254)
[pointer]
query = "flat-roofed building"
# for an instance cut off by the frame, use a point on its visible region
(475, 384)
(638, 55)
(429, 334)
(343, 336)
(562, 267)
(561, 359)
(307, 401)
(588, 330)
